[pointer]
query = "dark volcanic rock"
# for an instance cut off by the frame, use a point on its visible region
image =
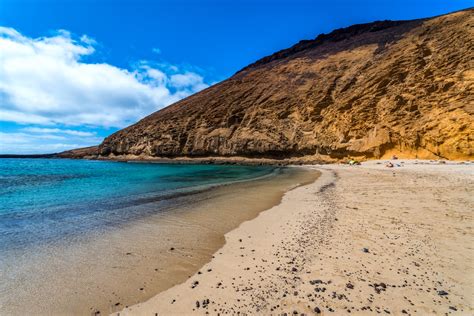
(86, 152)
(442, 293)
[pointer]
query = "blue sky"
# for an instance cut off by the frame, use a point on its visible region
(72, 72)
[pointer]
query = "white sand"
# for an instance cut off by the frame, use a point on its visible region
(306, 254)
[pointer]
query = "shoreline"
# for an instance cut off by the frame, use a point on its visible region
(286, 162)
(305, 160)
(318, 252)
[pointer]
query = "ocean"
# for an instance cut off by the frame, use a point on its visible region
(45, 200)
(80, 236)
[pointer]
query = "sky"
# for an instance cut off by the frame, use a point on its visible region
(74, 71)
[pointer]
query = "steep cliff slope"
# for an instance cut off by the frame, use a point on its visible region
(368, 90)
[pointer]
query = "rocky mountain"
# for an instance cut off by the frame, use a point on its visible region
(368, 91)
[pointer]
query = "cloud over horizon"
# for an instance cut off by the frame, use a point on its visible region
(48, 82)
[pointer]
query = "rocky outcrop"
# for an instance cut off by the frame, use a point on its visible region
(85, 152)
(369, 90)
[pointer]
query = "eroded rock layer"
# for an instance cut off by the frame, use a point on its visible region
(368, 90)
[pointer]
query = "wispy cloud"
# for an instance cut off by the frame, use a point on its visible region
(30, 143)
(40, 130)
(190, 81)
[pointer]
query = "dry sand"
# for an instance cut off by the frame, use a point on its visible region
(362, 239)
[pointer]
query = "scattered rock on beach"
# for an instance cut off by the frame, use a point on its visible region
(317, 267)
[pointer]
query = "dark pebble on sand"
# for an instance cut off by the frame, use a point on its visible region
(442, 293)
(313, 282)
(366, 250)
(317, 310)
(453, 308)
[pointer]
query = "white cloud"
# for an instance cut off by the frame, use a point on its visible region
(40, 130)
(33, 143)
(46, 81)
(188, 80)
(21, 117)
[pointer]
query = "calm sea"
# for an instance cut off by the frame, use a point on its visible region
(45, 200)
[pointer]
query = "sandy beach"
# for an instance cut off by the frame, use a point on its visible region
(360, 239)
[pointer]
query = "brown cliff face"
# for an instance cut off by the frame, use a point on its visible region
(369, 90)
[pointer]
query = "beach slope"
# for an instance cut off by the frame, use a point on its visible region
(362, 240)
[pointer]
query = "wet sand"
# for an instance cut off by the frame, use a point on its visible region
(361, 240)
(121, 266)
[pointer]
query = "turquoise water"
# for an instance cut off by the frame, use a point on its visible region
(44, 200)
